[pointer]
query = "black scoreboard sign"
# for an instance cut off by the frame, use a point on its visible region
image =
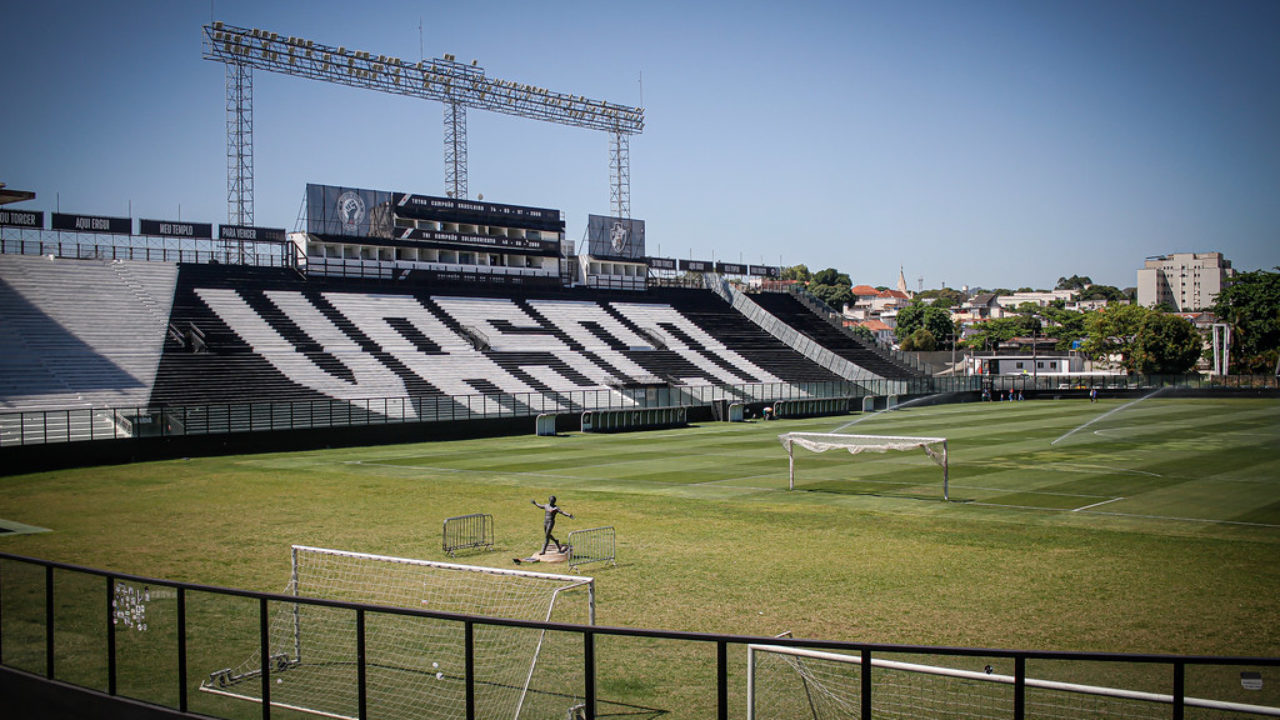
(249, 232)
(92, 223)
(701, 266)
(169, 228)
(23, 218)
(731, 268)
(661, 263)
(768, 271)
(486, 213)
(466, 241)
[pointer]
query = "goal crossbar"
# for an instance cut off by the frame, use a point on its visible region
(934, 447)
(983, 677)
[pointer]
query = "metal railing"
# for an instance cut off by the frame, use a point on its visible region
(34, 640)
(57, 426)
(102, 246)
(37, 427)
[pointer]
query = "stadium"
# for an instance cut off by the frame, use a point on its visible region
(271, 473)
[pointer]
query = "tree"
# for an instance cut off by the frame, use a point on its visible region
(921, 340)
(831, 276)
(910, 318)
(1110, 293)
(862, 332)
(1066, 325)
(796, 272)
(1113, 330)
(917, 316)
(944, 297)
(835, 296)
(1251, 306)
(1075, 282)
(988, 334)
(1166, 345)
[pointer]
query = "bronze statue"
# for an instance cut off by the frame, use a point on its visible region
(549, 522)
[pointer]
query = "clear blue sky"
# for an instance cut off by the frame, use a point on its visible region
(973, 143)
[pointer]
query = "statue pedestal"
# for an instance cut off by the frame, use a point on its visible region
(552, 555)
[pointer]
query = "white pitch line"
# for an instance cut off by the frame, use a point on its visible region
(1104, 502)
(1207, 521)
(1105, 415)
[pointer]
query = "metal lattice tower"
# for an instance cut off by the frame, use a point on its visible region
(620, 175)
(457, 85)
(455, 150)
(239, 144)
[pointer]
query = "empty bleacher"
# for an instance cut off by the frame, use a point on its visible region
(214, 348)
(80, 333)
(792, 312)
(274, 336)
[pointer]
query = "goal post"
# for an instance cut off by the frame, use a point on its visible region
(934, 447)
(795, 683)
(414, 667)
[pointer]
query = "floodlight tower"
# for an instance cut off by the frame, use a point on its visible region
(457, 85)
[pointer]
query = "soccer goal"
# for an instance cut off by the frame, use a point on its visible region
(934, 447)
(414, 666)
(795, 683)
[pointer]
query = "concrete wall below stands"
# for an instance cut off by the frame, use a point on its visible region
(33, 458)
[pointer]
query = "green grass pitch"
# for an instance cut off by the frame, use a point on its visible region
(1114, 526)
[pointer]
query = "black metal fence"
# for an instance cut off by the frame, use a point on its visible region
(58, 426)
(74, 625)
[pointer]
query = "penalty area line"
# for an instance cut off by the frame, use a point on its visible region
(1097, 504)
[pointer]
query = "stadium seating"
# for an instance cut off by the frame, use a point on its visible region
(80, 333)
(136, 334)
(791, 311)
(271, 335)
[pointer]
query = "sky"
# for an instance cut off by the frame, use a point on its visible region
(980, 143)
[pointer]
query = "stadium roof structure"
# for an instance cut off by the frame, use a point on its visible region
(8, 196)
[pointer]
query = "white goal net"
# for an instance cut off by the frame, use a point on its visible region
(414, 666)
(798, 684)
(934, 447)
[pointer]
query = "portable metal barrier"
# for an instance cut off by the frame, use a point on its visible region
(811, 407)
(633, 419)
(592, 545)
(467, 531)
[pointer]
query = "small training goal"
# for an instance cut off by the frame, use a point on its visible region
(934, 447)
(414, 667)
(786, 683)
